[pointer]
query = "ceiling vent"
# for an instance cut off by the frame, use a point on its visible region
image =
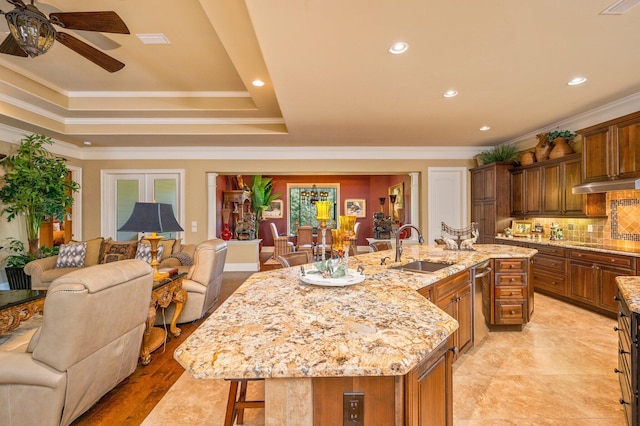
(620, 7)
(155, 38)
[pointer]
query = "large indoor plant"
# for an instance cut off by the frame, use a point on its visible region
(261, 197)
(36, 184)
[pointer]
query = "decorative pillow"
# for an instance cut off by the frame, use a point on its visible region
(108, 258)
(127, 249)
(71, 255)
(94, 247)
(184, 258)
(144, 252)
(167, 244)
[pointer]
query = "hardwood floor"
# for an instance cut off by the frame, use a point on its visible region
(132, 400)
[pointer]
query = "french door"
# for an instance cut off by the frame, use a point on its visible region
(121, 189)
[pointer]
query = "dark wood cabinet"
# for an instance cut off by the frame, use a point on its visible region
(511, 296)
(490, 189)
(549, 269)
(611, 150)
(592, 278)
(627, 370)
(429, 391)
(453, 295)
(544, 189)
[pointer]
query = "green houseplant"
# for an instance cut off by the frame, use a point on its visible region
(36, 184)
(567, 135)
(261, 196)
(507, 153)
(18, 257)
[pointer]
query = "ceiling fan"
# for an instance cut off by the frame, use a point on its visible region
(32, 33)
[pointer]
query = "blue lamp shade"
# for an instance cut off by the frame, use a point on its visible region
(152, 217)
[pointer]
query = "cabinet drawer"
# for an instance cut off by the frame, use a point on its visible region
(551, 263)
(550, 282)
(426, 292)
(549, 250)
(449, 285)
(511, 312)
(511, 279)
(510, 265)
(605, 258)
(511, 292)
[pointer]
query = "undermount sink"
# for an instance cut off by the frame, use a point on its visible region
(422, 266)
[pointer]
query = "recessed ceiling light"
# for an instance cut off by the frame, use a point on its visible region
(577, 80)
(484, 128)
(87, 143)
(258, 83)
(450, 93)
(398, 47)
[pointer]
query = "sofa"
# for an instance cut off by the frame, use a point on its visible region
(202, 283)
(92, 327)
(81, 254)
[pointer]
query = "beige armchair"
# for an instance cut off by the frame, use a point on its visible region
(89, 342)
(202, 283)
(281, 244)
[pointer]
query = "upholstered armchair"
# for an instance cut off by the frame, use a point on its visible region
(202, 283)
(281, 244)
(89, 341)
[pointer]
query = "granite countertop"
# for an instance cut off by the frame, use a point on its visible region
(630, 290)
(602, 248)
(275, 326)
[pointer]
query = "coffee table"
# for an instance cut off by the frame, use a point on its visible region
(163, 293)
(17, 306)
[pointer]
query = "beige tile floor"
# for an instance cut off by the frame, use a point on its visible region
(557, 371)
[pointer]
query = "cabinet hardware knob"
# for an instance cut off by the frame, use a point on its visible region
(622, 352)
(554, 283)
(454, 349)
(622, 401)
(615, 370)
(512, 312)
(511, 294)
(622, 315)
(615, 328)
(616, 298)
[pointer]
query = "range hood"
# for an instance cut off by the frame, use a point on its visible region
(606, 186)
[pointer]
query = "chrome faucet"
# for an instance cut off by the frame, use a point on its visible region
(399, 242)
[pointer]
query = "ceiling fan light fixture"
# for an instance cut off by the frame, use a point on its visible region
(399, 47)
(32, 31)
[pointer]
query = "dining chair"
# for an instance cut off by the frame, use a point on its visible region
(305, 239)
(380, 245)
(296, 258)
(281, 243)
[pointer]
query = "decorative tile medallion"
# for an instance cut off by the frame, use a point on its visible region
(625, 219)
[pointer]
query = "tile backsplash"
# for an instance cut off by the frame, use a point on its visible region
(620, 229)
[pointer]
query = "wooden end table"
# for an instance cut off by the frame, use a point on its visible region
(163, 293)
(19, 305)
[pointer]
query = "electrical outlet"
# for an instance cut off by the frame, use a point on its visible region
(353, 409)
(589, 228)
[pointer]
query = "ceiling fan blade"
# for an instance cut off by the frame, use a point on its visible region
(17, 3)
(91, 53)
(104, 22)
(10, 47)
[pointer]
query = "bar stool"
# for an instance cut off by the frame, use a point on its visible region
(236, 404)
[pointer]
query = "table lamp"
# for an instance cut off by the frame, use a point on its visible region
(152, 217)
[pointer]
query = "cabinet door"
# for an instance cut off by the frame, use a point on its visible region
(532, 190)
(596, 159)
(572, 176)
(464, 308)
(626, 148)
(477, 185)
(484, 213)
(489, 183)
(551, 189)
(609, 287)
(517, 193)
(583, 282)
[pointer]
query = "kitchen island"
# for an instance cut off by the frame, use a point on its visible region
(312, 344)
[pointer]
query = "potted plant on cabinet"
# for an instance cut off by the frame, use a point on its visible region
(261, 197)
(561, 140)
(507, 153)
(36, 184)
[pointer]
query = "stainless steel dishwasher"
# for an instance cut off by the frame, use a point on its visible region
(481, 278)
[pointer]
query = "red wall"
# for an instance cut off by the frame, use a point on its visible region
(370, 188)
